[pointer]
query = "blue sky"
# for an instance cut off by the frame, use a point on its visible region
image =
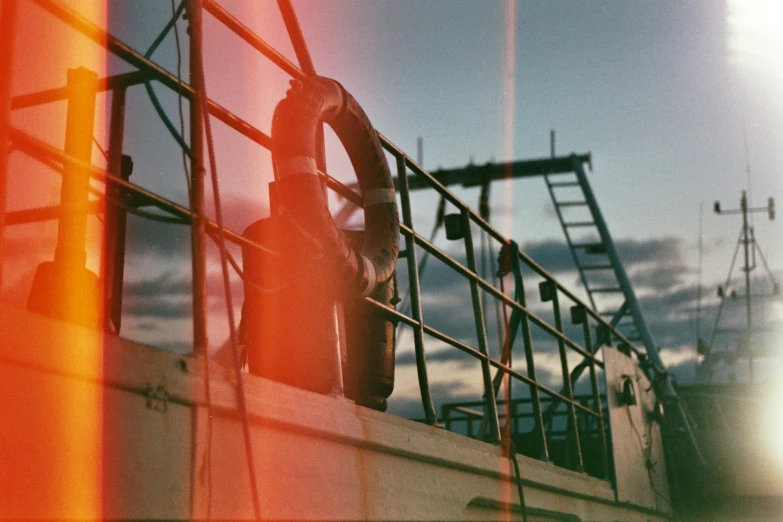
(658, 92)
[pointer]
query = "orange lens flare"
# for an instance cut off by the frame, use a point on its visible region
(52, 409)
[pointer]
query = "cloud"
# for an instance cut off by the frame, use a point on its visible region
(164, 241)
(666, 249)
(551, 254)
(171, 242)
(449, 354)
(166, 283)
(160, 308)
(656, 267)
(442, 392)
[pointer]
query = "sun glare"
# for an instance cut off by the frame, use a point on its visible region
(772, 420)
(755, 34)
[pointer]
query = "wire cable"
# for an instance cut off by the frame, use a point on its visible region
(646, 450)
(101, 149)
(512, 454)
(766, 266)
(202, 100)
(726, 285)
(176, 134)
(172, 24)
(180, 110)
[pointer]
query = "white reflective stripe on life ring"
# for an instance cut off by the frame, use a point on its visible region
(378, 197)
(296, 165)
(371, 275)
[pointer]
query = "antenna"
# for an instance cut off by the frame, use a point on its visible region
(748, 241)
(699, 342)
(747, 161)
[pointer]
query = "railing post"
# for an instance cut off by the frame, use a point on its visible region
(481, 330)
(596, 395)
(115, 217)
(72, 228)
(64, 288)
(197, 173)
(415, 293)
(527, 340)
(7, 34)
(549, 292)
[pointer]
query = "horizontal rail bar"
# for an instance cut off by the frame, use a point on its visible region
(255, 41)
(477, 175)
(449, 196)
(150, 68)
(156, 72)
(468, 412)
(500, 366)
(467, 273)
(391, 312)
(40, 149)
(107, 83)
(35, 215)
(153, 71)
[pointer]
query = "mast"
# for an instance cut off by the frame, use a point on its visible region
(748, 241)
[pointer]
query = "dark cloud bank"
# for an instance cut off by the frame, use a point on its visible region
(664, 285)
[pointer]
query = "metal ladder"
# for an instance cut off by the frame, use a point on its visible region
(600, 270)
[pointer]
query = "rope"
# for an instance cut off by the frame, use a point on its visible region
(510, 254)
(201, 96)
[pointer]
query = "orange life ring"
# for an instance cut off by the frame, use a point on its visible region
(309, 103)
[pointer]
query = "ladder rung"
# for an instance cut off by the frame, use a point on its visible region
(605, 290)
(612, 314)
(580, 224)
(571, 204)
(597, 267)
(564, 184)
(591, 248)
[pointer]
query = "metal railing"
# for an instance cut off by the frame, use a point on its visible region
(545, 403)
(467, 417)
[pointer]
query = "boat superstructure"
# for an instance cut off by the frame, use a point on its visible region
(104, 426)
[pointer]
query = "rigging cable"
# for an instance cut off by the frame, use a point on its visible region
(511, 325)
(202, 102)
(506, 354)
(747, 163)
(726, 285)
(698, 290)
(487, 248)
(206, 466)
(175, 16)
(176, 134)
(766, 268)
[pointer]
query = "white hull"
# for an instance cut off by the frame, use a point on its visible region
(316, 457)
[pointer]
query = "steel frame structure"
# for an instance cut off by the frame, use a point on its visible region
(409, 173)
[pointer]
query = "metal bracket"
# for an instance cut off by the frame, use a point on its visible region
(157, 398)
